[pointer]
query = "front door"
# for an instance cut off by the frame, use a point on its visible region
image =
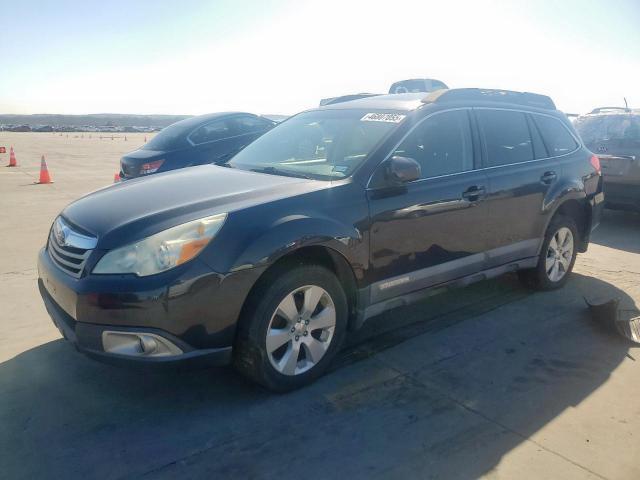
(429, 231)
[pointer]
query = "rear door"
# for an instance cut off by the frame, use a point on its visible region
(427, 232)
(520, 173)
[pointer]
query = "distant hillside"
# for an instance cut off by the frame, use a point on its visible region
(94, 120)
(100, 119)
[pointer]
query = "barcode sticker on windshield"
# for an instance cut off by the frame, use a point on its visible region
(383, 117)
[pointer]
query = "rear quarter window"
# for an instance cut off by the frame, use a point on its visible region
(169, 138)
(555, 135)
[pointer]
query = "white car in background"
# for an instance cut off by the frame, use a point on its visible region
(413, 85)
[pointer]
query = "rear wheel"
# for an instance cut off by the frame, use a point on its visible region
(295, 326)
(557, 256)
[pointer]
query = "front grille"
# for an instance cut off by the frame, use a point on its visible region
(70, 255)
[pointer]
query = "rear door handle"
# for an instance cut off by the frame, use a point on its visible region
(548, 177)
(474, 193)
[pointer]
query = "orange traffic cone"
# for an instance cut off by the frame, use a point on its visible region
(44, 172)
(12, 159)
(116, 177)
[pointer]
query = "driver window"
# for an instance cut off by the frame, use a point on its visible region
(441, 144)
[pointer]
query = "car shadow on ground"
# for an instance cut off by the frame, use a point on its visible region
(620, 230)
(421, 390)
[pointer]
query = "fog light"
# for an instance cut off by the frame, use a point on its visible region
(148, 345)
(140, 344)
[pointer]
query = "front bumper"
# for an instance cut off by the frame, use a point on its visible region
(191, 307)
(87, 338)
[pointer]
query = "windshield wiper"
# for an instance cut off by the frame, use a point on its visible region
(277, 171)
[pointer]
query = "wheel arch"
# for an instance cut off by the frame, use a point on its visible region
(575, 206)
(314, 254)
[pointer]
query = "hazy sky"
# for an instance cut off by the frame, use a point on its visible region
(268, 56)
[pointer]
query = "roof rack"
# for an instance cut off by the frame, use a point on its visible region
(346, 98)
(610, 109)
(506, 96)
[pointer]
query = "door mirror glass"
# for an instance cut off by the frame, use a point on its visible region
(400, 170)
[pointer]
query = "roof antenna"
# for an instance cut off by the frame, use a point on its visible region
(626, 105)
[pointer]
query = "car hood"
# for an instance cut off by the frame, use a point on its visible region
(126, 212)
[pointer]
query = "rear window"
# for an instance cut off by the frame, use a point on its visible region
(506, 136)
(599, 128)
(170, 138)
(555, 135)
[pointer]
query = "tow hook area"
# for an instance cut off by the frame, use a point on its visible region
(625, 322)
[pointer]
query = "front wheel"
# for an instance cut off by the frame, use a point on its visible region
(296, 323)
(557, 256)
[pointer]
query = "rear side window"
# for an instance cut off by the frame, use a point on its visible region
(441, 144)
(211, 131)
(506, 136)
(555, 135)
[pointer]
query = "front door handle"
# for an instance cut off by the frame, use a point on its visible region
(548, 177)
(474, 193)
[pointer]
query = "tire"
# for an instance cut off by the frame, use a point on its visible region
(540, 278)
(277, 308)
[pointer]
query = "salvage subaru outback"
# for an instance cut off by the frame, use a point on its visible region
(332, 217)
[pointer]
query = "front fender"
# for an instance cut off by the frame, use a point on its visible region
(293, 232)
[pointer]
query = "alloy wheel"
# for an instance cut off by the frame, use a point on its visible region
(301, 330)
(559, 254)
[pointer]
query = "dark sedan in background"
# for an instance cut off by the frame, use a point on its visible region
(211, 138)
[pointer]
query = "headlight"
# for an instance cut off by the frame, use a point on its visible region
(163, 250)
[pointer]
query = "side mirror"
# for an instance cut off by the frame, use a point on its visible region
(401, 170)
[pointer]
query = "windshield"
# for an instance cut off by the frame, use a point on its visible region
(323, 144)
(608, 127)
(169, 138)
